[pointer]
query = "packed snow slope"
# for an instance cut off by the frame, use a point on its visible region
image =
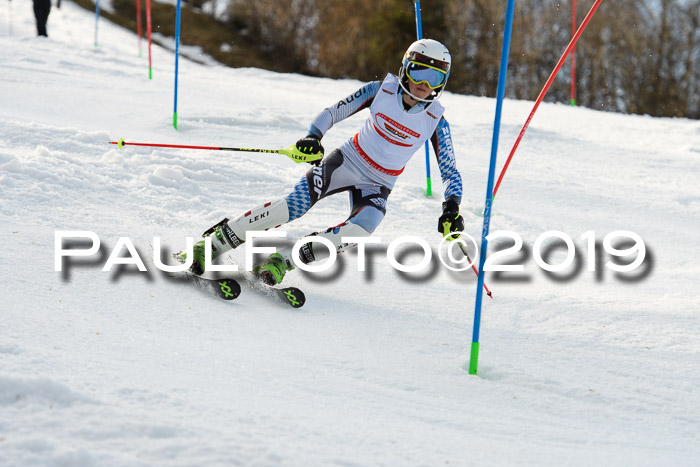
(132, 368)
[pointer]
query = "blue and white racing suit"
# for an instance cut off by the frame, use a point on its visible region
(369, 163)
(366, 165)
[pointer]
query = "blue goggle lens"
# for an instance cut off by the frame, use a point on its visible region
(420, 73)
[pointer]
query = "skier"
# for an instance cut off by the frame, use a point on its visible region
(404, 113)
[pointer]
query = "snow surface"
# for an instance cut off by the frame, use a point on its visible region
(129, 368)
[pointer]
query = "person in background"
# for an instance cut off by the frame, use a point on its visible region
(42, 8)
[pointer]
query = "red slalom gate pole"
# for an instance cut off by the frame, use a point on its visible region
(545, 89)
(573, 56)
(139, 31)
(148, 29)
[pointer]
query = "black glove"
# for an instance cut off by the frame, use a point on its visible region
(310, 144)
(450, 221)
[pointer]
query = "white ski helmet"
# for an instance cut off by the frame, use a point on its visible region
(428, 61)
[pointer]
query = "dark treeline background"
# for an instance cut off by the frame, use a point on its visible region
(635, 56)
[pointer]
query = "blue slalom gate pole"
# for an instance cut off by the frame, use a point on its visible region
(474, 357)
(428, 181)
(177, 56)
(97, 18)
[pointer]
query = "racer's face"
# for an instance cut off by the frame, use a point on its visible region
(421, 90)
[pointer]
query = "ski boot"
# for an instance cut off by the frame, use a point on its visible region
(197, 258)
(222, 240)
(229, 234)
(273, 271)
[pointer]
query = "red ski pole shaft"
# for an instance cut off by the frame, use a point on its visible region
(292, 152)
(476, 271)
(544, 91)
(122, 143)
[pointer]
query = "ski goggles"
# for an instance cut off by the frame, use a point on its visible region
(420, 73)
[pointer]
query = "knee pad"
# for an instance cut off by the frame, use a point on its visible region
(368, 218)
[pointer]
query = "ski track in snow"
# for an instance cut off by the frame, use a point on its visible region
(129, 368)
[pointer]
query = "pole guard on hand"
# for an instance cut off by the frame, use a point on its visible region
(297, 156)
(447, 231)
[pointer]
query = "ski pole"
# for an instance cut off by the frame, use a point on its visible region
(464, 250)
(292, 152)
(446, 228)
